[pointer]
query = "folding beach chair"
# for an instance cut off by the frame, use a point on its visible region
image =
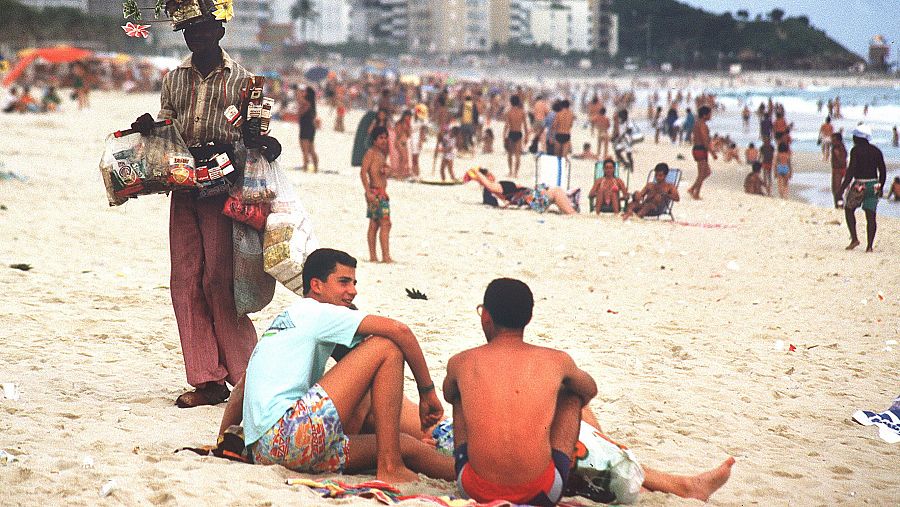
(674, 178)
(598, 173)
(552, 171)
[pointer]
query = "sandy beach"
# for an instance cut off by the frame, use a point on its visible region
(678, 323)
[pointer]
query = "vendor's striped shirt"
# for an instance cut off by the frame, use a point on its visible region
(198, 104)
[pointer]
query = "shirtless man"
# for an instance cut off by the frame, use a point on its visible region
(649, 200)
(825, 133)
(753, 183)
(603, 133)
(562, 126)
(514, 130)
(516, 406)
(374, 180)
(702, 149)
(608, 190)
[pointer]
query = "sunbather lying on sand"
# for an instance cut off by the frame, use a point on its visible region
(512, 194)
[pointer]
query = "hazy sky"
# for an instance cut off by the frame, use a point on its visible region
(850, 22)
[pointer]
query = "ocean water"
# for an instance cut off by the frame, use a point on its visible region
(815, 188)
(802, 109)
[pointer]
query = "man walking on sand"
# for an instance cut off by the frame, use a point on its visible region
(373, 174)
(514, 130)
(562, 129)
(702, 149)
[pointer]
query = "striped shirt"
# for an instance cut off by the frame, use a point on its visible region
(197, 103)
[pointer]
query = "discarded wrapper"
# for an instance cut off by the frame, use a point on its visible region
(10, 391)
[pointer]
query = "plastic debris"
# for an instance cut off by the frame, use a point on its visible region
(108, 488)
(7, 458)
(10, 391)
(733, 266)
(87, 462)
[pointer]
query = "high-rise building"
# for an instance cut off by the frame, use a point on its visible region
(241, 32)
(566, 25)
(879, 50)
(605, 27)
(379, 21)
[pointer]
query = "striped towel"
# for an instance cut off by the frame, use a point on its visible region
(888, 422)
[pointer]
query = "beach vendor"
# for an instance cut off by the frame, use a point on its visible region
(347, 419)
(216, 342)
(866, 175)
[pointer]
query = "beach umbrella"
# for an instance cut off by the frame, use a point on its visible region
(316, 73)
(56, 54)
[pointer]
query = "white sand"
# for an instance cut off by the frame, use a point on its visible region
(682, 346)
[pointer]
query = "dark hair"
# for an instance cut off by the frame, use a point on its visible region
(662, 167)
(515, 101)
(322, 263)
(557, 106)
(603, 110)
(310, 96)
(703, 111)
(377, 131)
(783, 148)
(586, 146)
(623, 115)
(509, 302)
(609, 161)
(756, 166)
(751, 146)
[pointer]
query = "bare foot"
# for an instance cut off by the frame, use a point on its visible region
(869, 250)
(852, 245)
(373, 259)
(396, 475)
(388, 260)
(702, 486)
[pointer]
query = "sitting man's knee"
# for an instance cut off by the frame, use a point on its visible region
(383, 346)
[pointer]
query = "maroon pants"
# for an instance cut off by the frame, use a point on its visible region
(215, 341)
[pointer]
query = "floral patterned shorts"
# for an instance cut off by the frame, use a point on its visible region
(308, 438)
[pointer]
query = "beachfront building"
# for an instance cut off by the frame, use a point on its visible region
(879, 50)
(379, 21)
(241, 33)
(81, 5)
(327, 23)
(450, 26)
(565, 25)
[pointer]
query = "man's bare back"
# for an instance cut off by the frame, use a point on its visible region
(562, 124)
(515, 119)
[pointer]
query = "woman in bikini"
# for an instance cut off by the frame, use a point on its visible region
(608, 190)
(783, 170)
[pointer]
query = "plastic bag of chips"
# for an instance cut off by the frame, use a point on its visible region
(133, 164)
(604, 472)
(288, 240)
(262, 179)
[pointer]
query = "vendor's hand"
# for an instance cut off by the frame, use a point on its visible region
(270, 147)
(430, 409)
(143, 124)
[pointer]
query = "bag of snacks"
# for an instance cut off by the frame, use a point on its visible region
(288, 240)
(262, 179)
(252, 214)
(134, 164)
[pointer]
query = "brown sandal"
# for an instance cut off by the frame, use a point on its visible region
(210, 394)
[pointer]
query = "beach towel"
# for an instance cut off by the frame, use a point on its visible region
(888, 422)
(386, 494)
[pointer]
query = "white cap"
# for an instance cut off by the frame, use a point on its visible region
(863, 131)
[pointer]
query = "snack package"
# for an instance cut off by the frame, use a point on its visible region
(253, 287)
(262, 179)
(604, 472)
(134, 164)
(288, 240)
(252, 214)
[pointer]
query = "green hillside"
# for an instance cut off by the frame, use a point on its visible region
(695, 39)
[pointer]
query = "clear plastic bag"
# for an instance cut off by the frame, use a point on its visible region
(262, 180)
(134, 164)
(604, 472)
(288, 240)
(253, 287)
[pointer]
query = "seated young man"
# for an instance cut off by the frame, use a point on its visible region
(512, 194)
(652, 199)
(608, 190)
(297, 415)
(753, 183)
(516, 406)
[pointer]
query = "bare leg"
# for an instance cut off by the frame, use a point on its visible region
(566, 424)
(509, 161)
(370, 237)
(384, 238)
(850, 214)
(700, 486)
(377, 364)
(304, 147)
(561, 200)
(871, 227)
(314, 156)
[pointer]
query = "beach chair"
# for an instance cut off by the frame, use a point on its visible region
(598, 173)
(552, 171)
(674, 178)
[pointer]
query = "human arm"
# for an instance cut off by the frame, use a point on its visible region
(578, 381)
(234, 410)
(364, 177)
(882, 172)
(595, 189)
(430, 409)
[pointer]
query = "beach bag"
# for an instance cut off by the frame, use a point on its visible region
(855, 195)
(288, 240)
(133, 164)
(253, 287)
(604, 472)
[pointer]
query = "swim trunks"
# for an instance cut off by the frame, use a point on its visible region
(380, 207)
(869, 196)
(782, 169)
(308, 438)
(767, 166)
(545, 490)
(700, 153)
(540, 202)
(513, 136)
(563, 138)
